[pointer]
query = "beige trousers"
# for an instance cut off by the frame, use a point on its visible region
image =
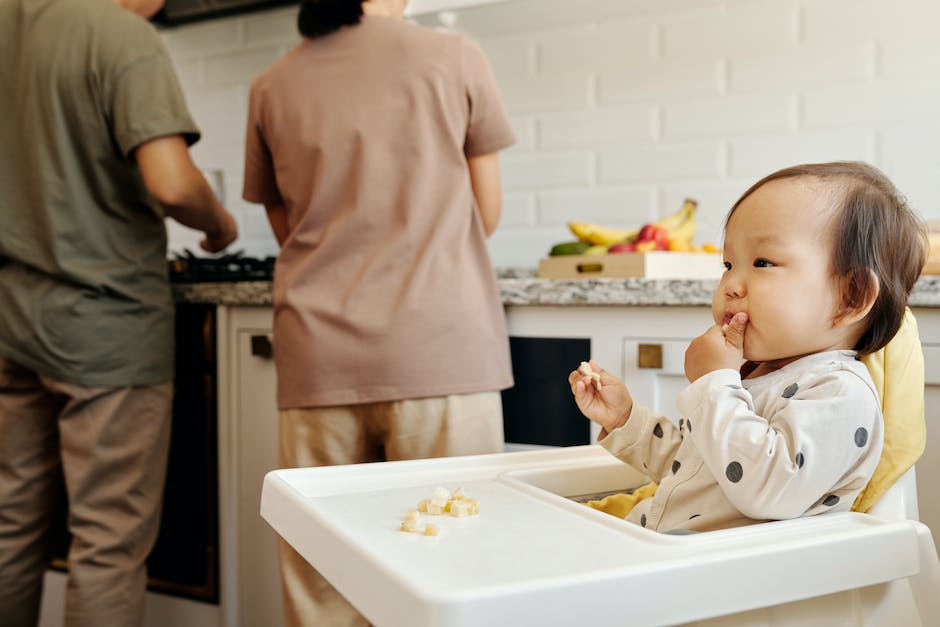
(110, 445)
(467, 424)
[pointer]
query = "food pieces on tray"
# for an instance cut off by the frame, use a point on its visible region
(457, 504)
(585, 369)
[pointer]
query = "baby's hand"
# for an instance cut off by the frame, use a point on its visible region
(717, 348)
(601, 396)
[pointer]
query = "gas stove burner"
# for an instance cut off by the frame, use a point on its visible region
(189, 268)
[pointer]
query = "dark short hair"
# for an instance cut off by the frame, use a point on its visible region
(317, 18)
(874, 231)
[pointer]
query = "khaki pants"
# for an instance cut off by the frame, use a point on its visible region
(110, 445)
(466, 424)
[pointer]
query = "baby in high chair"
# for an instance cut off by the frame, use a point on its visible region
(780, 419)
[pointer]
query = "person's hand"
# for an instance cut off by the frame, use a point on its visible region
(224, 234)
(610, 406)
(716, 349)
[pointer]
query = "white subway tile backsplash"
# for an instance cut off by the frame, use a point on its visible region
(872, 104)
(654, 81)
(223, 124)
(189, 72)
(279, 25)
(835, 23)
(910, 157)
(622, 109)
(651, 162)
(919, 186)
(510, 56)
(911, 148)
(729, 115)
(194, 40)
(522, 248)
(586, 49)
(919, 56)
(540, 170)
(620, 207)
(595, 127)
(235, 67)
(555, 92)
(762, 154)
(524, 128)
(518, 210)
(801, 68)
(734, 29)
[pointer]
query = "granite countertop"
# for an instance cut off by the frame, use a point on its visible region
(520, 287)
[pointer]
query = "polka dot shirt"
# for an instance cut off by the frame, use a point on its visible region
(800, 441)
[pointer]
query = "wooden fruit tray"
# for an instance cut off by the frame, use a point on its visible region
(648, 265)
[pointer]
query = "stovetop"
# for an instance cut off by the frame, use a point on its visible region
(190, 268)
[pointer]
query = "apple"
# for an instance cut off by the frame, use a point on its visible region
(656, 234)
(622, 247)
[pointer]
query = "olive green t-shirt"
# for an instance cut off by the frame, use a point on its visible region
(84, 294)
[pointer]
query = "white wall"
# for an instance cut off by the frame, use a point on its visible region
(625, 107)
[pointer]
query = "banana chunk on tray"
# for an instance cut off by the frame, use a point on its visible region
(585, 369)
(456, 504)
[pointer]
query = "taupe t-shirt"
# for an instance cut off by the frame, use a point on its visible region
(384, 289)
(84, 295)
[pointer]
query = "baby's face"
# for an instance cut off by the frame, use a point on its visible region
(777, 254)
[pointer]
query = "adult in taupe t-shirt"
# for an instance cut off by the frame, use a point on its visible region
(373, 147)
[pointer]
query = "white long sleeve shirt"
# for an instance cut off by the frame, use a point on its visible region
(800, 441)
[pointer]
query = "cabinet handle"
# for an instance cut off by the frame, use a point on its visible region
(261, 346)
(649, 356)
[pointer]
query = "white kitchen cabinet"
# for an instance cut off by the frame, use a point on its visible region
(617, 332)
(250, 580)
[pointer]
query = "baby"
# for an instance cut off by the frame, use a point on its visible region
(780, 419)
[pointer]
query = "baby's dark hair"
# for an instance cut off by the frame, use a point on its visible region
(874, 231)
(322, 17)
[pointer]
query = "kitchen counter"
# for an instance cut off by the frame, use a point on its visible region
(522, 288)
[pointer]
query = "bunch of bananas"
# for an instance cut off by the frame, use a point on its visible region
(674, 232)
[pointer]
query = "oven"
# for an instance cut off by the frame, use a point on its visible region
(539, 410)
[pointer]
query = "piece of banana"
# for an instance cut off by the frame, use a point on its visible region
(680, 218)
(680, 226)
(683, 232)
(600, 235)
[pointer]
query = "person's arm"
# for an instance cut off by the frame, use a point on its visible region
(277, 217)
(175, 182)
(487, 188)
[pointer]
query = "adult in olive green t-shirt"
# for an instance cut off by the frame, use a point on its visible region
(94, 136)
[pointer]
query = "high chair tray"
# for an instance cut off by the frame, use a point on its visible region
(533, 556)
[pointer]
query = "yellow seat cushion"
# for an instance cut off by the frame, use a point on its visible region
(620, 505)
(898, 372)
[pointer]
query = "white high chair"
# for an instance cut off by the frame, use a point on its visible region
(534, 556)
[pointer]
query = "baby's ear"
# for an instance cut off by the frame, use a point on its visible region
(860, 290)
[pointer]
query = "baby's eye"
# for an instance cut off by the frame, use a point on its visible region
(727, 265)
(762, 263)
